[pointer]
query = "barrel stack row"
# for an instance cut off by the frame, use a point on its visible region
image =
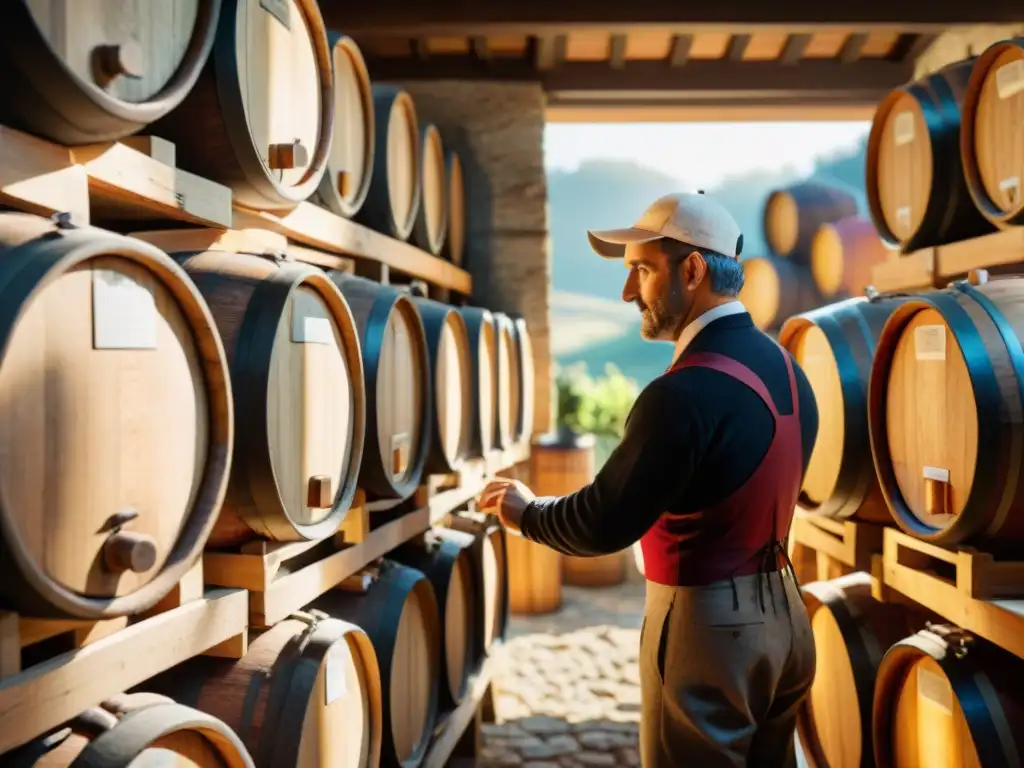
(258, 96)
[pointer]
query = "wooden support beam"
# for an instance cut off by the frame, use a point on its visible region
(737, 47)
(852, 48)
(617, 51)
(680, 53)
(794, 49)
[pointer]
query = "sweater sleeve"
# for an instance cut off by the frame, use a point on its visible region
(647, 471)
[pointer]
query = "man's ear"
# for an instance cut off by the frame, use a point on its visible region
(694, 270)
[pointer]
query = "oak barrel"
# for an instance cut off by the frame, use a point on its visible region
(261, 116)
(297, 377)
(400, 615)
(396, 369)
(527, 376)
(489, 555)
(394, 197)
(444, 557)
(852, 631)
(775, 289)
(508, 377)
(306, 694)
(991, 142)
(451, 369)
(117, 417)
(835, 346)
(946, 410)
(83, 71)
(917, 195)
(843, 255)
(431, 225)
(483, 349)
(346, 182)
(136, 729)
(454, 245)
(793, 214)
(945, 698)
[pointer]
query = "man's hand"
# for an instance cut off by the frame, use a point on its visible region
(507, 499)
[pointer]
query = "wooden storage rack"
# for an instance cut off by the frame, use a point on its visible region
(828, 548)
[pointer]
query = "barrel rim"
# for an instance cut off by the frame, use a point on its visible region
(969, 156)
(773, 196)
(46, 259)
(524, 430)
(453, 160)
(481, 324)
(429, 133)
(503, 324)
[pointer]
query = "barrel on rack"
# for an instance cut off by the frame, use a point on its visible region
(395, 184)
(307, 693)
(261, 115)
(508, 377)
(835, 346)
(116, 414)
(527, 375)
(775, 289)
(455, 242)
(483, 349)
(917, 195)
(346, 182)
(136, 729)
(944, 697)
(444, 557)
(946, 412)
(82, 72)
(400, 615)
(297, 378)
(991, 144)
(843, 255)
(451, 368)
(396, 366)
(852, 631)
(431, 225)
(489, 555)
(793, 214)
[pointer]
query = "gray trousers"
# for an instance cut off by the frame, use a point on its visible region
(721, 685)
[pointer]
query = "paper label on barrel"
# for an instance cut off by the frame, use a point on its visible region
(903, 128)
(930, 342)
(336, 665)
(123, 312)
(1010, 79)
(280, 10)
(935, 473)
(1011, 186)
(309, 325)
(934, 689)
(903, 218)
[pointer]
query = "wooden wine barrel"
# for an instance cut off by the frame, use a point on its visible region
(307, 693)
(945, 698)
(136, 729)
(117, 417)
(454, 245)
(834, 346)
(395, 185)
(489, 555)
(443, 557)
(261, 115)
(527, 376)
(991, 144)
(793, 214)
(346, 182)
(483, 348)
(451, 369)
(775, 289)
(396, 366)
(843, 255)
(400, 615)
(431, 225)
(509, 379)
(89, 71)
(852, 631)
(297, 379)
(917, 195)
(945, 410)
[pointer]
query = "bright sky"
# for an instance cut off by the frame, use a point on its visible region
(700, 154)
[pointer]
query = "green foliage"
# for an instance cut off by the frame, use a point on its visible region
(598, 406)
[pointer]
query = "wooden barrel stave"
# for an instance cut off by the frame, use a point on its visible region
(431, 224)
(296, 456)
(793, 214)
(948, 400)
(843, 255)
(452, 385)
(54, 92)
(454, 245)
(944, 697)
(917, 194)
(400, 615)
(775, 289)
(149, 467)
(509, 381)
(489, 555)
(483, 349)
(835, 347)
(527, 376)
(222, 132)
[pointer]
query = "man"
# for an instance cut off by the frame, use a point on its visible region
(706, 478)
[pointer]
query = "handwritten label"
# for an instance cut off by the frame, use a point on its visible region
(123, 312)
(903, 128)
(280, 10)
(930, 342)
(1010, 79)
(337, 662)
(309, 322)
(933, 688)
(935, 473)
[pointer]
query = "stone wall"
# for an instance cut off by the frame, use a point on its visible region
(498, 129)
(960, 43)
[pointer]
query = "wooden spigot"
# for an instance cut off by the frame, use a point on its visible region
(286, 156)
(936, 496)
(124, 60)
(399, 453)
(318, 492)
(128, 551)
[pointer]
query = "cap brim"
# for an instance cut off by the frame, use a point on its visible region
(611, 243)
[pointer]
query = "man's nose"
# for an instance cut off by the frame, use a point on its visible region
(629, 292)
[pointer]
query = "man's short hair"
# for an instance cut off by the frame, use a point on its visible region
(726, 272)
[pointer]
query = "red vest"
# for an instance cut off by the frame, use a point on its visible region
(730, 538)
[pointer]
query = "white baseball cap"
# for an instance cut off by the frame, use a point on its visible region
(691, 218)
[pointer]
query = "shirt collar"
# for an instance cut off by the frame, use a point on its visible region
(702, 321)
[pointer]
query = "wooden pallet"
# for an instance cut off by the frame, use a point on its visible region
(109, 657)
(830, 548)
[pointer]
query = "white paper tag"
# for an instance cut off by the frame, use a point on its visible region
(336, 664)
(903, 218)
(309, 325)
(1011, 186)
(903, 128)
(123, 312)
(1010, 79)
(930, 342)
(933, 688)
(935, 473)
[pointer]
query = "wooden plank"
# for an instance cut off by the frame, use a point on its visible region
(39, 177)
(1003, 248)
(460, 718)
(912, 272)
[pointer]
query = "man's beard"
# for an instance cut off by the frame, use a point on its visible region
(662, 318)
